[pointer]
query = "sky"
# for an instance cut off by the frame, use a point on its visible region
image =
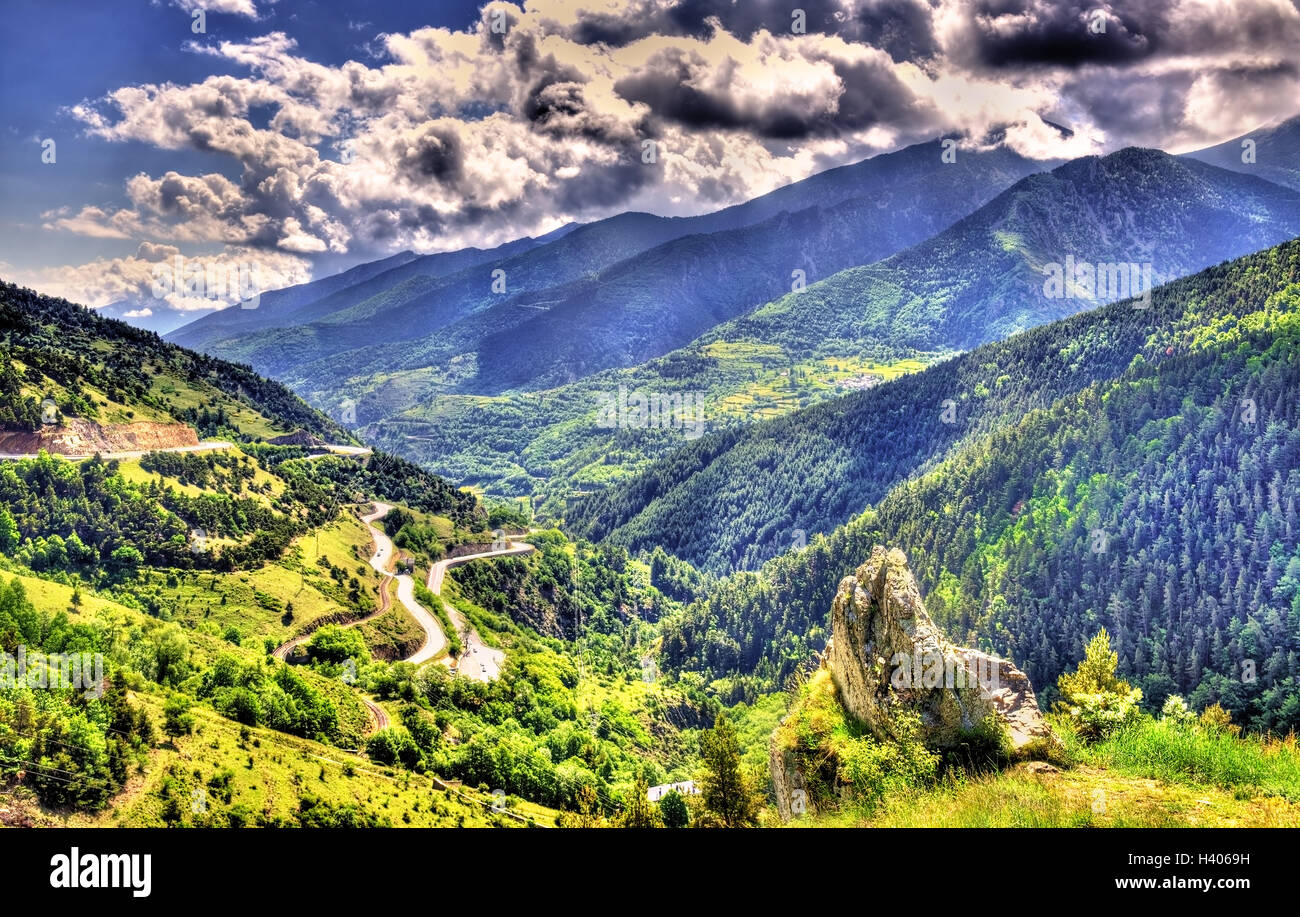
(299, 137)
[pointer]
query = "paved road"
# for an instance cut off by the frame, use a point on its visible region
(378, 715)
(207, 446)
(211, 446)
(478, 661)
(434, 639)
(355, 451)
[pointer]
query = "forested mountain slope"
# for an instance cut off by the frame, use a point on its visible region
(107, 371)
(1161, 501)
(733, 499)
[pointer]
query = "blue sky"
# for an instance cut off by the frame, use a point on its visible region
(52, 59)
(302, 136)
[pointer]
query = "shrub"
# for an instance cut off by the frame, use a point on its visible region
(177, 719)
(1214, 720)
(673, 810)
(1176, 710)
(393, 746)
(1093, 698)
(332, 643)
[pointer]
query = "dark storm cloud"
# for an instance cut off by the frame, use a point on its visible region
(1016, 33)
(436, 154)
(900, 27)
(663, 86)
(1136, 109)
(554, 98)
(680, 87)
(561, 108)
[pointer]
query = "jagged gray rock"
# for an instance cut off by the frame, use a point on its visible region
(886, 654)
(886, 657)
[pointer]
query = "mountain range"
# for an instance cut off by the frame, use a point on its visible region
(638, 285)
(500, 390)
(1050, 458)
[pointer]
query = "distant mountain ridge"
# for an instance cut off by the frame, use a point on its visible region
(469, 336)
(1273, 153)
(978, 280)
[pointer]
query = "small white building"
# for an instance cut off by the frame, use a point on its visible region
(685, 788)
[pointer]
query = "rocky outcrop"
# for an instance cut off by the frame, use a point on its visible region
(79, 437)
(886, 657)
(789, 785)
(886, 654)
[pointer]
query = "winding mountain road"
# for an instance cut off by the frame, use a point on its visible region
(434, 639)
(478, 661)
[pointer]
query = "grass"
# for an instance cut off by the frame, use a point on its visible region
(256, 602)
(755, 724)
(392, 635)
(1249, 765)
(131, 470)
(180, 394)
(127, 624)
(268, 775)
(265, 773)
(777, 388)
(1078, 797)
(1154, 774)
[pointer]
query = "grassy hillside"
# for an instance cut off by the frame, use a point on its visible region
(105, 370)
(196, 708)
(1159, 772)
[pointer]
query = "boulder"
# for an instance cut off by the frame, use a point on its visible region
(887, 655)
(886, 658)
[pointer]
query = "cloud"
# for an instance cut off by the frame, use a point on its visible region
(193, 283)
(232, 7)
(474, 136)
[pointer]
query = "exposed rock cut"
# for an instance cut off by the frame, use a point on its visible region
(79, 437)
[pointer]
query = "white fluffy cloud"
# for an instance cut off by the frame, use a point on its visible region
(232, 7)
(472, 137)
(193, 283)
